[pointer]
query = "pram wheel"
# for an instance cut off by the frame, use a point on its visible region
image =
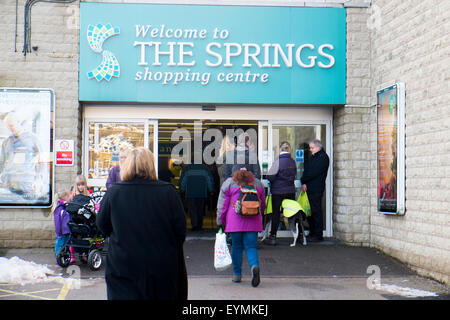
(95, 260)
(63, 257)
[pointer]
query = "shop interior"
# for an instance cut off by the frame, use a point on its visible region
(106, 139)
(170, 163)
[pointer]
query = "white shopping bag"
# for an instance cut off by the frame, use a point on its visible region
(222, 257)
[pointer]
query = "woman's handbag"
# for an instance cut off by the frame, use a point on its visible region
(222, 257)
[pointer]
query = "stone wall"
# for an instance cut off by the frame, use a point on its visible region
(351, 136)
(53, 65)
(387, 43)
(352, 174)
(411, 44)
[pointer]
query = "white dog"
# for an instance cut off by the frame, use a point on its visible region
(293, 223)
(292, 211)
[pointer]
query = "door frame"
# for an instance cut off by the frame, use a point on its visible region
(328, 232)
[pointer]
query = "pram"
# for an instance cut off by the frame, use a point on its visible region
(85, 237)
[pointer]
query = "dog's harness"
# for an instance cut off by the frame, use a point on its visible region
(290, 208)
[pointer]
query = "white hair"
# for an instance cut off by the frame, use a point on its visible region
(317, 143)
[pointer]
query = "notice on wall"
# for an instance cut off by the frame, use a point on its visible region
(64, 151)
(390, 142)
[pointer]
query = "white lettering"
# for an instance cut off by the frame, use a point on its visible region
(142, 62)
(311, 58)
(266, 55)
(229, 53)
(138, 76)
(174, 78)
(158, 53)
(248, 55)
(178, 77)
(208, 155)
(185, 53)
(178, 33)
(142, 29)
(193, 310)
(278, 50)
(167, 77)
(163, 32)
(215, 54)
(250, 309)
(241, 77)
(328, 56)
(254, 55)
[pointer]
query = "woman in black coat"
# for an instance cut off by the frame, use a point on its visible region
(145, 221)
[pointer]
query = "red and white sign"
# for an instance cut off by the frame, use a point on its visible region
(64, 152)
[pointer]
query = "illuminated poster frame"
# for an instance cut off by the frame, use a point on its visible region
(391, 149)
(27, 118)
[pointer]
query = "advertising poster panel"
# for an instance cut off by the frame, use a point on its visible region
(390, 161)
(26, 121)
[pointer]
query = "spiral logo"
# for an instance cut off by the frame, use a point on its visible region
(96, 36)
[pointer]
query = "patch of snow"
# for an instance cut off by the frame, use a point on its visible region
(18, 271)
(405, 291)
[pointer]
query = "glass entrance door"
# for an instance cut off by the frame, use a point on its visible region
(298, 134)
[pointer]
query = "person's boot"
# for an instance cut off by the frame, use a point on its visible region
(255, 276)
(236, 278)
(72, 254)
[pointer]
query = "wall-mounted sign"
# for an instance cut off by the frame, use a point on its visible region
(299, 155)
(391, 149)
(212, 54)
(64, 152)
(26, 171)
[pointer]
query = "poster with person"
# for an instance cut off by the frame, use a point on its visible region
(390, 149)
(26, 119)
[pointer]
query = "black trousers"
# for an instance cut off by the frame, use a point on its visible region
(315, 221)
(277, 199)
(196, 207)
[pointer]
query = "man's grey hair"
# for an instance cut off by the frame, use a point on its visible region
(317, 143)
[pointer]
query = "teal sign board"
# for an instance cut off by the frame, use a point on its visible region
(212, 54)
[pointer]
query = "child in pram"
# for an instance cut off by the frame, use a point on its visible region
(85, 238)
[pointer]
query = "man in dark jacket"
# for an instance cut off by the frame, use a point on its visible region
(313, 182)
(244, 153)
(281, 176)
(196, 182)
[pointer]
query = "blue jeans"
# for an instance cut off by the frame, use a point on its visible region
(60, 242)
(247, 241)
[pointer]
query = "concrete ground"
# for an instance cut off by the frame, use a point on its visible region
(328, 270)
